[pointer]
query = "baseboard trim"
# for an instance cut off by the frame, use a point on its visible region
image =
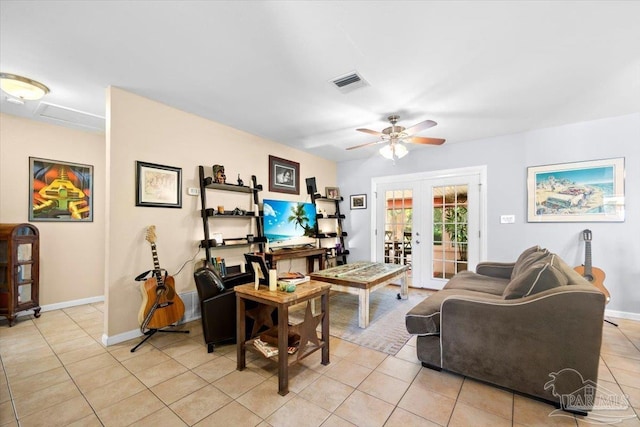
(61, 305)
(622, 315)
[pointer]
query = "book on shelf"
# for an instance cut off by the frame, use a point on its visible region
(271, 350)
(219, 265)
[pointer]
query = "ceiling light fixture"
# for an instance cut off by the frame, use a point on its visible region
(22, 87)
(394, 149)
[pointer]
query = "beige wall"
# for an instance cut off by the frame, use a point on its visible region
(144, 130)
(71, 254)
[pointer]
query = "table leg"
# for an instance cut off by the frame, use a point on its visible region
(404, 286)
(363, 304)
(321, 262)
(283, 344)
(240, 333)
(324, 303)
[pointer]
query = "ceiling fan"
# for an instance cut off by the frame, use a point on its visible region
(394, 135)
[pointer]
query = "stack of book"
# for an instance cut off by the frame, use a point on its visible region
(219, 265)
(270, 350)
(293, 278)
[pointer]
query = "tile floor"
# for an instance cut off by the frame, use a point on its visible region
(54, 371)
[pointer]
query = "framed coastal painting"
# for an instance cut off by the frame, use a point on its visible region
(158, 186)
(60, 191)
(588, 191)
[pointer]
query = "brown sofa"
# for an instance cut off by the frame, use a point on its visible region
(533, 326)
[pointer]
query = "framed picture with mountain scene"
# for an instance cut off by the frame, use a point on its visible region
(587, 191)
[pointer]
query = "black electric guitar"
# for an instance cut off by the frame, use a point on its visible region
(161, 305)
(593, 274)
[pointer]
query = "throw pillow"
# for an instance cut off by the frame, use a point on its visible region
(538, 277)
(525, 260)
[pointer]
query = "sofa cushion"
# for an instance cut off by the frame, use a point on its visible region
(424, 318)
(526, 258)
(539, 276)
(477, 282)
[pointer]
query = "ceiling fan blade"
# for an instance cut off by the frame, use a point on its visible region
(420, 127)
(369, 131)
(365, 145)
(424, 140)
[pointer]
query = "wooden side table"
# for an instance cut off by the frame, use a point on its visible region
(307, 329)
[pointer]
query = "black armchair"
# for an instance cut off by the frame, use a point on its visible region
(217, 307)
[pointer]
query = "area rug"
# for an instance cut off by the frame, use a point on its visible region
(386, 331)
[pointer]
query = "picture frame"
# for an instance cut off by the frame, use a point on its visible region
(358, 201)
(332, 193)
(586, 191)
(284, 175)
(257, 263)
(158, 186)
(60, 191)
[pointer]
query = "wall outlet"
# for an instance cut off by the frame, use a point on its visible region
(193, 191)
(507, 219)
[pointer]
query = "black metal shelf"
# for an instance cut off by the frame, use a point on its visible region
(213, 213)
(208, 183)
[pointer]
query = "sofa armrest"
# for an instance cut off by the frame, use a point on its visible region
(518, 343)
(495, 269)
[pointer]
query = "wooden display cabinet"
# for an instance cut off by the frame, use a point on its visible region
(19, 270)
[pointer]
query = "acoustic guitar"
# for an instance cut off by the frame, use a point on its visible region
(161, 305)
(593, 274)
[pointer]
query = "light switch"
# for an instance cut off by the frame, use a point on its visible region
(193, 191)
(507, 219)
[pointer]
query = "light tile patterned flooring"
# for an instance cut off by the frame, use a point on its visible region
(54, 371)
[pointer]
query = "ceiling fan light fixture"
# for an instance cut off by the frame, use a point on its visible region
(22, 87)
(393, 150)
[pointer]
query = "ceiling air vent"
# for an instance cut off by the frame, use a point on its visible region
(348, 82)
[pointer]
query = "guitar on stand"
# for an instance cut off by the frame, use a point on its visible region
(161, 305)
(592, 274)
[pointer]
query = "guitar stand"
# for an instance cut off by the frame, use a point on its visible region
(152, 332)
(610, 322)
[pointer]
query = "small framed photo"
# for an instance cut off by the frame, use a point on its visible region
(332, 193)
(158, 186)
(284, 175)
(258, 265)
(358, 201)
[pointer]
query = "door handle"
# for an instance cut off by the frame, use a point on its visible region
(417, 242)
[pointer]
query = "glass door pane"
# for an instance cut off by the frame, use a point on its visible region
(450, 226)
(398, 226)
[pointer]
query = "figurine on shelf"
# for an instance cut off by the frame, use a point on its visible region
(218, 174)
(240, 181)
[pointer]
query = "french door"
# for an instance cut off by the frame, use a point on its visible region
(433, 224)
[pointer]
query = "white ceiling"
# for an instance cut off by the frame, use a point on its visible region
(478, 68)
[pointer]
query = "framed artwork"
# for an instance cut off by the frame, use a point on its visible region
(589, 191)
(284, 175)
(358, 201)
(158, 186)
(332, 193)
(60, 191)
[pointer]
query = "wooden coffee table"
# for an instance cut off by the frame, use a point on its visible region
(363, 277)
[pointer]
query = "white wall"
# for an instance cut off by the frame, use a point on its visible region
(616, 247)
(71, 254)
